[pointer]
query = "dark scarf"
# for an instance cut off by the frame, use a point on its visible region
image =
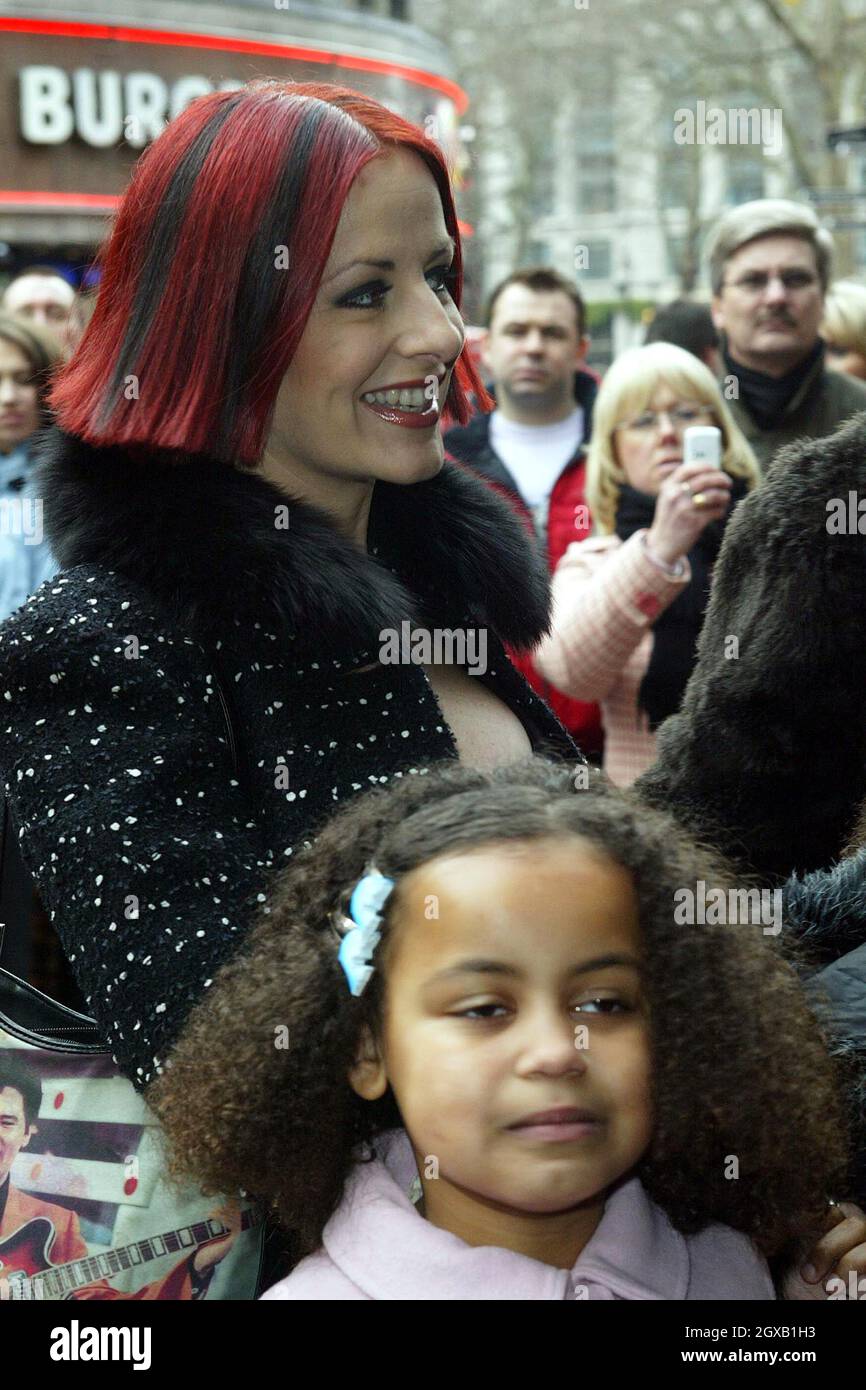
(676, 630)
(767, 397)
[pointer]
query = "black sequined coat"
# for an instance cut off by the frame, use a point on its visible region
(180, 589)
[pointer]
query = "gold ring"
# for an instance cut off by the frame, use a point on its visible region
(699, 499)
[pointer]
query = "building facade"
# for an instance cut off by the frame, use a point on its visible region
(85, 87)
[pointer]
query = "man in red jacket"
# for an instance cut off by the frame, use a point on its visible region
(531, 448)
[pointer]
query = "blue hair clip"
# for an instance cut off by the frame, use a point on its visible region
(360, 930)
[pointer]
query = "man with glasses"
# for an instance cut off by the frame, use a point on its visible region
(770, 266)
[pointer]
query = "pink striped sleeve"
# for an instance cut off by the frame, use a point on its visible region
(604, 599)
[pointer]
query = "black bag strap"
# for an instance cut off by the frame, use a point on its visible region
(15, 900)
(16, 882)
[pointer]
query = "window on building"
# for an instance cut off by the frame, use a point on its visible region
(596, 183)
(597, 258)
(537, 252)
(596, 163)
(542, 186)
(601, 339)
(745, 170)
(679, 176)
(860, 182)
(679, 166)
(744, 163)
(676, 246)
(597, 129)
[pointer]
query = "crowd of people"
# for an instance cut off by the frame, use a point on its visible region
(456, 892)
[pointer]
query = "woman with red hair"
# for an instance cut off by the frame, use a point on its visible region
(263, 553)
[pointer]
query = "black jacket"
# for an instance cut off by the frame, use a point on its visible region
(827, 911)
(824, 400)
(766, 758)
(152, 857)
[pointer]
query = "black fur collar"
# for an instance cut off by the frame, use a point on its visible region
(200, 535)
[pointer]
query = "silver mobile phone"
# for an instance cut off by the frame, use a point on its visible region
(703, 444)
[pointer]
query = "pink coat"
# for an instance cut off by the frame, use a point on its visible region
(607, 594)
(376, 1246)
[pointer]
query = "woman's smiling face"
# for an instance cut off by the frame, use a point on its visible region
(383, 317)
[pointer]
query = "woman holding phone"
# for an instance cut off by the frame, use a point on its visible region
(629, 601)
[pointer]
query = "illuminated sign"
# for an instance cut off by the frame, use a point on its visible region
(102, 108)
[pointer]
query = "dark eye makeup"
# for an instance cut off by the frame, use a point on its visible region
(375, 290)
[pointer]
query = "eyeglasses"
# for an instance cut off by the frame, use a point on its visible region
(680, 416)
(757, 281)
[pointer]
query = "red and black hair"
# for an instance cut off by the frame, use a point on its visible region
(194, 326)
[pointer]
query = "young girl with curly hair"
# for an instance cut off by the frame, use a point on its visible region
(471, 1054)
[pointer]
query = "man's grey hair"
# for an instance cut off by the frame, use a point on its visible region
(766, 217)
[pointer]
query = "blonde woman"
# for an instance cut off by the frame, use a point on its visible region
(29, 354)
(844, 328)
(629, 601)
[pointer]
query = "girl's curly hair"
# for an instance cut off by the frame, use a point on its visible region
(742, 1079)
